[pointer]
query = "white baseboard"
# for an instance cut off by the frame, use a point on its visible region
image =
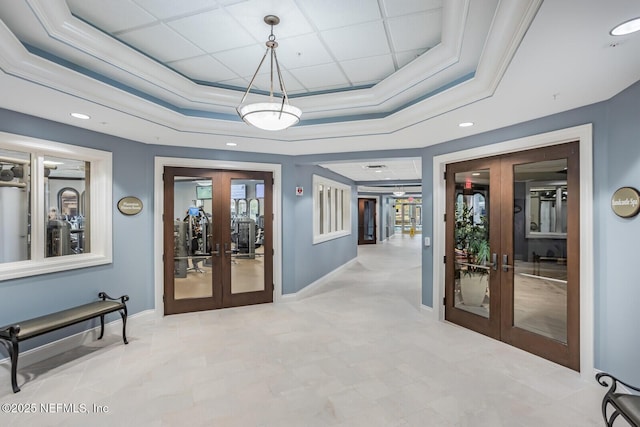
(65, 344)
(316, 286)
(428, 311)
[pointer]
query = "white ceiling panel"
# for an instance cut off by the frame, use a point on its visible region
(250, 15)
(366, 70)
(160, 42)
(165, 9)
(113, 15)
(213, 31)
(263, 82)
(415, 31)
(358, 41)
(320, 76)
(243, 61)
(202, 68)
(406, 7)
(302, 51)
(328, 14)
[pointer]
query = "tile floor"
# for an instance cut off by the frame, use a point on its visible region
(357, 353)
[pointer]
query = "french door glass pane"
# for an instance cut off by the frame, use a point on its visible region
(247, 250)
(471, 234)
(192, 229)
(540, 248)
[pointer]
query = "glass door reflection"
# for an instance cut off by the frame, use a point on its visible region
(193, 276)
(246, 255)
(540, 248)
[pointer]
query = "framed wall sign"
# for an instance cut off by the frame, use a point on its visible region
(130, 205)
(626, 202)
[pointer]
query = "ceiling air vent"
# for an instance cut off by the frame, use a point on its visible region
(374, 167)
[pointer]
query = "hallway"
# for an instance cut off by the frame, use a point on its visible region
(358, 352)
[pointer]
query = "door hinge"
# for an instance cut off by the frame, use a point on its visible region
(444, 175)
(162, 257)
(444, 217)
(444, 259)
(273, 287)
(273, 181)
(444, 300)
(162, 298)
(273, 251)
(163, 177)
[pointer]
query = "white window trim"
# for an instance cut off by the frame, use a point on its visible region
(345, 204)
(100, 207)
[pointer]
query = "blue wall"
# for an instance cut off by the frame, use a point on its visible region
(314, 261)
(617, 296)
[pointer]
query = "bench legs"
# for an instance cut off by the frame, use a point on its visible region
(123, 314)
(12, 349)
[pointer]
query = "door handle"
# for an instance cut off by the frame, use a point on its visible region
(494, 261)
(226, 249)
(217, 251)
(505, 263)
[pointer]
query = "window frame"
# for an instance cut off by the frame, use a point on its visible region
(332, 206)
(100, 208)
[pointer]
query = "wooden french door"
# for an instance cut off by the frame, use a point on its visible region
(513, 249)
(217, 239)
(367, 221)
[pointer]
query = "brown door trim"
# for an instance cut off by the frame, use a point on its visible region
(221, 282)
(501, 220)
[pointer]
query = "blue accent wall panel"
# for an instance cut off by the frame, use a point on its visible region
(314, 261)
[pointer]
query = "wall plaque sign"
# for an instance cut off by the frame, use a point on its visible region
(130, 205)
(626, 202)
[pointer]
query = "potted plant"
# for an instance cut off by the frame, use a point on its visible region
(472, 255)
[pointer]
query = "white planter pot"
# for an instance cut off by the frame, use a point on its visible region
(473, 288)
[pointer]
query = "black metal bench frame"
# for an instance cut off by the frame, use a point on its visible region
(623, 404)
(11, 334)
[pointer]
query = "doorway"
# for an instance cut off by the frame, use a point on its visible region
(217, 244)
(513, 249)
(367, 221)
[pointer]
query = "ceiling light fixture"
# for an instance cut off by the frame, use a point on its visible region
(398, 192)
(628, 27)
(465, 124)
(270, 115)
(231, 144)
(80, 116)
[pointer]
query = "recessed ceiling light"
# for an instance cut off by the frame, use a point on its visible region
(465, 124)
(378, 171)
(476, 174)
(80, 116)
(231, 144)
(628, 27)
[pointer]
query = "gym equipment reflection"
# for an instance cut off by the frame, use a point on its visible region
(65, 218)
(218, 251)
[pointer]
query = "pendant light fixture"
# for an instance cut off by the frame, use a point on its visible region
(398, 191)
(270, 115)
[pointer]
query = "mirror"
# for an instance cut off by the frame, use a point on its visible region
(242, 207)
(546, 209)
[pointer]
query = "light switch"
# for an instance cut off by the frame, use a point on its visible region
(427, 241)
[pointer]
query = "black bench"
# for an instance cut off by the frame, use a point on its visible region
(625, 404)
(15, 333)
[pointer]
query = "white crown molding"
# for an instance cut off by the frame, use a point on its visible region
(512, 18)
